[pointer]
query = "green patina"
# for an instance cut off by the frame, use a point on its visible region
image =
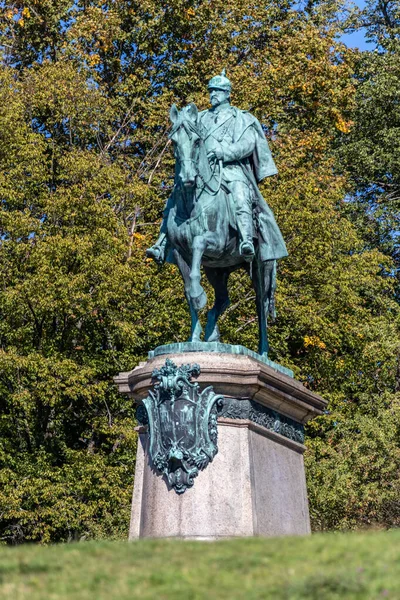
(216, 217)
(182, 423)
(253, 411)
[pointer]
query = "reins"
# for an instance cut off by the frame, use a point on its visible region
(188, 128)
(207, 183)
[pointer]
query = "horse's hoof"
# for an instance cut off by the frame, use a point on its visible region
(199, 302)
(213, 338)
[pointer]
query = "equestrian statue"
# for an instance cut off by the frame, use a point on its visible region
(216, 216)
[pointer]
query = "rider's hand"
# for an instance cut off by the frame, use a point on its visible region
(215, 154)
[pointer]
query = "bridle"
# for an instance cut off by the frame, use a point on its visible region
(190, 128)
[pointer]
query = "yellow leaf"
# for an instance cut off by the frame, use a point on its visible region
(342, 125)
(314, 341)
(94, 60)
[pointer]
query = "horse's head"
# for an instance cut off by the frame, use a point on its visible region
(186, 138)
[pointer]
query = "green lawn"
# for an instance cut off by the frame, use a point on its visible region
(325, 566)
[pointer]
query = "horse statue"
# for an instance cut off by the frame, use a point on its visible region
(199, 230)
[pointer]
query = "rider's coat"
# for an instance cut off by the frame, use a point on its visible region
(246, 158)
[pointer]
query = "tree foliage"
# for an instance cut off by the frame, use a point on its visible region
(371, 151)
(354, 470)
(85, 170)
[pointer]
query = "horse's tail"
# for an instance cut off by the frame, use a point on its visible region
(271, 303)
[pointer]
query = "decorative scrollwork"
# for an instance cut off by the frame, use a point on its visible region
(141, 415)
(262, 415)
(182, 424)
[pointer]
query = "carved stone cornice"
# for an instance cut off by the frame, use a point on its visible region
(234, 376)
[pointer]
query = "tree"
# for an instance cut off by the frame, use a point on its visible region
(85, 166)
(354, 468)
(371, 151)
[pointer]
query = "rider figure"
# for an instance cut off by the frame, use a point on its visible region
(236, 138)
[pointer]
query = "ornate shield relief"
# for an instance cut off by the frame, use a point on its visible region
(182, 424)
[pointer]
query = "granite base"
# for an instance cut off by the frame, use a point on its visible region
(255, 485)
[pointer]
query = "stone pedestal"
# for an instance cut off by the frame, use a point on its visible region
(255, 484)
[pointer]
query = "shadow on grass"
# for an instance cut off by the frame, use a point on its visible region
(22, 568)
(328, 587)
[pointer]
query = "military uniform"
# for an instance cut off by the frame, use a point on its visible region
(238, 138)
(220, 126)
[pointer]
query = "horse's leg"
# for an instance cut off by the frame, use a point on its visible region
(184, 268)
(263, 276)
(197, 293)
(219, 280)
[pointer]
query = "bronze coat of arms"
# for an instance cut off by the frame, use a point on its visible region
(182, 423)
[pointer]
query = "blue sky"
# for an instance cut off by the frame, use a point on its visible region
(357, 39)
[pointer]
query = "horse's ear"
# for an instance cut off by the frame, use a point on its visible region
(192, 111)
(173, 113)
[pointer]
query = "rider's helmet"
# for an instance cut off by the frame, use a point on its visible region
(220, 82)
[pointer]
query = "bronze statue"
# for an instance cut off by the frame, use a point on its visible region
(216, 216)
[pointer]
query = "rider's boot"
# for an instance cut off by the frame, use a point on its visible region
(157, 251)
(246, 249)
(245, 225)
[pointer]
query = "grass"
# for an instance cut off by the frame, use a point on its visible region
(356, 566)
